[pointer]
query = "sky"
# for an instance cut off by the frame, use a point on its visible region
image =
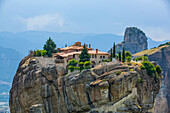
(87, 16)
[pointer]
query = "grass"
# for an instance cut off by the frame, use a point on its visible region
(151, 51)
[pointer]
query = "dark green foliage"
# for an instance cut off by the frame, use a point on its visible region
(104, 60)
(140, 58)
(72, 62)
(139, 80)
(127, 53)
(150, 68)
(146, 55)
(123, 55)
(145, 58)
(136, 59)
(84, 56)
(81, 64)
(49, 47)
(111, 53)
(71, 68)
(87, 63)
(118, 72)
(114, 51)
(128, 58)
(142, 67)
(65, 45)
(158, 69)
(120, 56)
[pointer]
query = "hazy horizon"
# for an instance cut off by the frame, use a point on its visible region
(97, 16)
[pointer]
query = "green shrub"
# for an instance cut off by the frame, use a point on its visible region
(40, 53)
(81, 64)
(131, 69)
(127, 53)
(142, 67)
(87, 63)
(158, 69)
(136, 59)
(104, 60)
(140, 58)
(110, 59)
(104, 80)
(128, 58)
(146, 55)
(145, 58)
(71, 68)
(150, 68)
(139, 80)
(72, 62)
(118, 72)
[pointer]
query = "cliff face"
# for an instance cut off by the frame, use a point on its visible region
(41, 86)
(162, 57)
(135, 41)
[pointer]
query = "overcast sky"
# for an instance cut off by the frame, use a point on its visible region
(87, 16)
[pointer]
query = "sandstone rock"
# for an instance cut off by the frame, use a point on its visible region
(47, 89)
(135, 41)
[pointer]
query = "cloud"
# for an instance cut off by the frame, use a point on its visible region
(43, 22)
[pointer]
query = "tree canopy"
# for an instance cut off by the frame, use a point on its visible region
(49, 47)
(84, 56)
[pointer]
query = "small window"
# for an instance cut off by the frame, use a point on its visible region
(95, 56)
(92, 56)
(100, 56)
(103, 56)
(73, 55)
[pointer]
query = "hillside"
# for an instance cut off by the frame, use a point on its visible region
(150, 51)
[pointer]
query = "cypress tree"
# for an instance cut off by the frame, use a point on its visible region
(119, 56)
(84, 56)
(111, 53)
(123, 55)
(114, 51)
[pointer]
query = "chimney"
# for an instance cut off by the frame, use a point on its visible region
(89, 45)
(96, 51)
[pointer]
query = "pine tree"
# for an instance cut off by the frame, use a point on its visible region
(84, 56)
(120, 56)
(49, 47)
(123, 55)
(114, 51)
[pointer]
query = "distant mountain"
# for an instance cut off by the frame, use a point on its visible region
(23, 42)
(9, 60)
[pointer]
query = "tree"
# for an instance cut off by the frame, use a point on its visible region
(145, 58)
(136, 59)
(49, 47)
(123, 55)
(158, 69)
(120, 56)
(65, 45)
(114, 51)
(128, 58)
(111, 53)
(150, 68)
(84, 56)
(127, 53)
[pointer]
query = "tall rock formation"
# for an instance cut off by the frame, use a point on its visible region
(41, 86)
(161, 55)
(135, 41)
